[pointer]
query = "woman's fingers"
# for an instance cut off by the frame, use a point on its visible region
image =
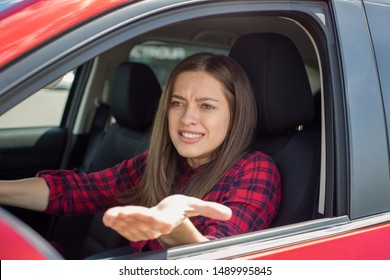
(191, 206)
(209, 209)
(117, 215)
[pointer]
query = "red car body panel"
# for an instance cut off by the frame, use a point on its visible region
(16, 247)
(371, 243)
(43, 20)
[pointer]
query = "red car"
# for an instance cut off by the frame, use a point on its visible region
(320, 69)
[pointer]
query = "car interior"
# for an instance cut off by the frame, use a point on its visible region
(110, 111)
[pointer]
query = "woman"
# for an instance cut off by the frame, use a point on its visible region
(198, 181)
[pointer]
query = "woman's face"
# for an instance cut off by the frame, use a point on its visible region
(198, 117)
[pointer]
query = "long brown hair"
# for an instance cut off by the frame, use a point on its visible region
(163, 161)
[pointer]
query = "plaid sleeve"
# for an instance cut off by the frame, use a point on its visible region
(72, 193)
(253, 194)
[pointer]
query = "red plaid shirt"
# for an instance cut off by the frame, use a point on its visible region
(251, 188)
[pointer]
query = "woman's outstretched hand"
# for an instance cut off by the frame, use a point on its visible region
(167, 221)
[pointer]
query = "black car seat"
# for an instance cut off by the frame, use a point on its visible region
(133, 99)
(285, 103)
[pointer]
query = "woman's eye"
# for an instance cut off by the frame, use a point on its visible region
(177, 104)
(207, 107)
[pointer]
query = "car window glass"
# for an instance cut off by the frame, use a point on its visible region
(7, 4)
(163, 57)
(44, 108)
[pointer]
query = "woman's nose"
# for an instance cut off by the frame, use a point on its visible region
(190, 115)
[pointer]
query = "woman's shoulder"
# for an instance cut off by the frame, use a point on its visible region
(254, 156)
(137, 161)
(255, 160)
(255, 164)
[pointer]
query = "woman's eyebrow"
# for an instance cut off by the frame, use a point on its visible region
(177, 96)
(200, 99)
(207, 99)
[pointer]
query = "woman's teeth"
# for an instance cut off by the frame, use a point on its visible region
(191, 135)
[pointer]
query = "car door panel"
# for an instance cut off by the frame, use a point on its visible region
(360, 244)
(23, 152)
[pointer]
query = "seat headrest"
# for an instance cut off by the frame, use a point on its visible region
(279, 80)
(134, 94)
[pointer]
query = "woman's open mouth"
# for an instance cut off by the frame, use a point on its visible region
(188, 137)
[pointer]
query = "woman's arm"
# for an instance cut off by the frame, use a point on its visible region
(30, 193)
(168, 221)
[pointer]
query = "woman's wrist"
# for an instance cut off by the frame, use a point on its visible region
(186, 233)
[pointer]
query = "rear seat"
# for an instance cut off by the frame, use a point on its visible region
(133, 99)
